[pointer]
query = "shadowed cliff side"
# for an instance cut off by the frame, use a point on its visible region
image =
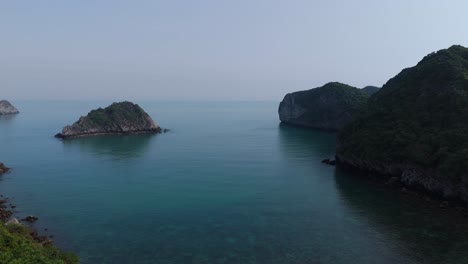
(329, 107)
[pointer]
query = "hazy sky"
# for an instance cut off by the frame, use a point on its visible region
(214, 49)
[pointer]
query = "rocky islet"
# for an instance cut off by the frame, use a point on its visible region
(118, 118)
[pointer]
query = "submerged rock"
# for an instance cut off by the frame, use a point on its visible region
(7, 109)
(118, 118)
(329, 107)
(30, 218)
(331, 162)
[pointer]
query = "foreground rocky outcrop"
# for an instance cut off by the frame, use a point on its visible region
(414, 129)
(20, 243)
(118, 118)
(7, 109)
(329, 107)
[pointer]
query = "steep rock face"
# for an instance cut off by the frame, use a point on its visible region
(329, 107)
(415, 127)
(118, 118)
(7, 109)
(370, 90)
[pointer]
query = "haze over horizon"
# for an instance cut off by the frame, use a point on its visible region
(214, 50)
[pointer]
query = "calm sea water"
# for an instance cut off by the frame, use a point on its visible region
(228, 184)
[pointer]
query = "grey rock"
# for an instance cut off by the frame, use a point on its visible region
(30, 218)
(7, 109)
(12, 221)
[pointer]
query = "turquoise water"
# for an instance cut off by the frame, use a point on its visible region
(228, 184)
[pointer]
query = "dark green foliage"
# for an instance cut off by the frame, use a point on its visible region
(124, 111)
(370, 90)
(419, 117)
(331, 102)
(18, 247)
(350, 97)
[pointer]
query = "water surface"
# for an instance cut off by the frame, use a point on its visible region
(228, 184)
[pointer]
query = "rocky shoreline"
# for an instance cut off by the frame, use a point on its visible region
(61, 136)
(26, 243)
(404, 186)
(6, 213)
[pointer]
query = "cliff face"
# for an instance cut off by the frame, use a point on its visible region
(7, 109)
(329, 107)
(118, 118)
(415, 127)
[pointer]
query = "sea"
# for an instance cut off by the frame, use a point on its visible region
(228, 184)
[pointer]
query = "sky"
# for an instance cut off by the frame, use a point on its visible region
(214, 50)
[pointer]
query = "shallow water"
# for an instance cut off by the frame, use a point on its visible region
(227, 184)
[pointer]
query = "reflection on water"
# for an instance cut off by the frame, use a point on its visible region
(423, 232)
(116, 146)
(299, 143)
(7, 120)
(7, 117)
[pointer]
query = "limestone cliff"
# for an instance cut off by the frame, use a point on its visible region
(415, 127)
(329, 107)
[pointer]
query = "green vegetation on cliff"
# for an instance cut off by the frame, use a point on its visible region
(370, 90)
(17, 246)
(20, 244)
(328, 107)
(418, 118)
(116, 111)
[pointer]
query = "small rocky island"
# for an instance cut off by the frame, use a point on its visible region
(329, 107)
(118, 118)
(7, 109)
(414, 129)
